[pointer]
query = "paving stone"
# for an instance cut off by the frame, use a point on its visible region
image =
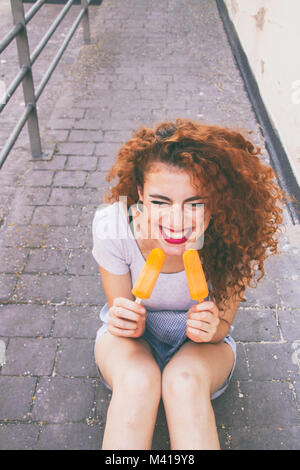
(21, 214)
(105, 164)
(161, 82)
(296, 384)
(16, 436)
(63, 400)
(70, 436)
(61, 215)
(24, 236)
(13, 259)
(87, 215)
(113, 120)
(279, 266)
(19, 155)
(59, 123)
(41, 288)
(8, 191)
(56, 163)
(63, 237)
(74, 148)
(269, 361)
(81, 163)
(117, 136)
(69, 178)
(65, 100)
(34, 196)
(264, 295)
(76, 358)
(8, 178)
(26, 320)
(57, 135)
(107, 149)
(270, 437)
(88, 124)
(97, 104)
(161, 438)
(85, 136)
(71, 196)
(70, 112)
(289, 321)
(100, 115)
(95, 197)
(7, 286)
(224, 438)
(124, 83)
(102, 400)
(97, 179)
(290, 293)
(47, 261)
(87, 289)
(229, 408)
(72, 321)
(269, 403)
(82, 263)
(241, 371)
(39, 178)
(256, 324)
(16, 397)
(30, 356)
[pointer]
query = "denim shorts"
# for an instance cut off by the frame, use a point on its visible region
(165, 332)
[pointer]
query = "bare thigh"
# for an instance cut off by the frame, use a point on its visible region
(208, 362)
(115, 355)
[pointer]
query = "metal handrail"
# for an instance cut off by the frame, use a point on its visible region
(16, 132)
(24, 76)
(58, 55)
(33, 10)
(10, 36)
(50, 32)
(17, 28)
(14, 85)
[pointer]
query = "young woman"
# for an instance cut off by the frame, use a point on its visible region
(180, 185)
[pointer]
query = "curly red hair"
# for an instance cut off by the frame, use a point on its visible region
(244, 198)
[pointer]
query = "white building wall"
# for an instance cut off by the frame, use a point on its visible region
(269, 31)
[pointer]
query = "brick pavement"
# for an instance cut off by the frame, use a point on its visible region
(149, 60)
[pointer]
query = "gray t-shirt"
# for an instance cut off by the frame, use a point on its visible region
(116, 250)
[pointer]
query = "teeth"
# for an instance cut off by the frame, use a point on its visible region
(176, 236)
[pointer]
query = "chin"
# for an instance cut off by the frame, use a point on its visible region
(173, 250)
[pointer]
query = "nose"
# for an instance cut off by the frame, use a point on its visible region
(174, 219)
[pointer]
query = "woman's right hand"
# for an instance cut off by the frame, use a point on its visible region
(126, 318)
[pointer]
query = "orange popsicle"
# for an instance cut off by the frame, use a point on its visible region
(195, 275)
(145, 283)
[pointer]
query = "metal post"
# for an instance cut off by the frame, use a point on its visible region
(17, 9)
(85, 23)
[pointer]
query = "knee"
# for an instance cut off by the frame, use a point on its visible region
(181, 382)
(141, 382)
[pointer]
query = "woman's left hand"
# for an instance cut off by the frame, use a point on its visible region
(202, 322)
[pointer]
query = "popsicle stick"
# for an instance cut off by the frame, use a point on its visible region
(138, 301)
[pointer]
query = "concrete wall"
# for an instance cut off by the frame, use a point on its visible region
(269, 31)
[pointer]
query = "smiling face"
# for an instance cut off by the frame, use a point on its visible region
(175, 214)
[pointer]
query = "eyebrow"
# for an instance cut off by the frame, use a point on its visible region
(194, 198)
